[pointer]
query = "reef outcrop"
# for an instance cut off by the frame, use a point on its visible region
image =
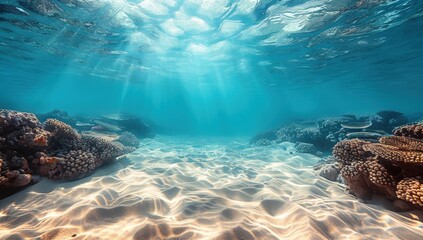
(53, 149)
(393, 167)
(330, 171)
(130, 123)
(387, 120)
(58, 115)
(128, 139)
(326, 132)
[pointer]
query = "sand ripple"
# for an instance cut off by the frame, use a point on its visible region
(180, 189)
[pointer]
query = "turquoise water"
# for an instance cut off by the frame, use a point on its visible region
(212, 67)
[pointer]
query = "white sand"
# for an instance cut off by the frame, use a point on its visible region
(201, 190)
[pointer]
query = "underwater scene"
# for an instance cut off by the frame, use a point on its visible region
(211, 119)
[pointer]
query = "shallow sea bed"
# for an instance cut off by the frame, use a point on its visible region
(180, 188)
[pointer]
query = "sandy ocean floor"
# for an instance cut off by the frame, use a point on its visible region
(196, 189)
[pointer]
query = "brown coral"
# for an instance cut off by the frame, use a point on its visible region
(391, 167)
(74, 164)
(411, 190)
(10, 121)
(48, 160)
(394, 154)
(350, 151)
(63, 135)
(403, 143)
(20, 131)
(355, 177)
(14, 179)
(41, 140)
(104, 151)
(412, 131)
(54, 150)
(380, 177)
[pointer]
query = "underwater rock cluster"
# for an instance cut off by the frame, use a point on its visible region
(21, 135)
(117, 123)
(129, 123)
(58, 115)
(329, 171)
(306, 148)
(53, 149)
(325, 133)
(393, 167)
(387, 120)
(128, 139)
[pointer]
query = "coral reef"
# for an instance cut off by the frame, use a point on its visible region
(263, 142)
(391, 168)
(128, 139)
(411, 190)
(295, 133)
(367, 136)
(62, 135)
(306, 148)
(356, 125)
(329, 171)
(127, 122)
(350, 151)
(104, 151)
(75, 156)
(21, 132)
(58, 115)
(325, 133)
(53, 149)
(387, 120)
(263, 138)
(413, 131)
(21, 136)
(108, 127)
(355, 177)
(73, 165)
(389, 114)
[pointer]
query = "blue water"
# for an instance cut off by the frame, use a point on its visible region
(212, 67)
